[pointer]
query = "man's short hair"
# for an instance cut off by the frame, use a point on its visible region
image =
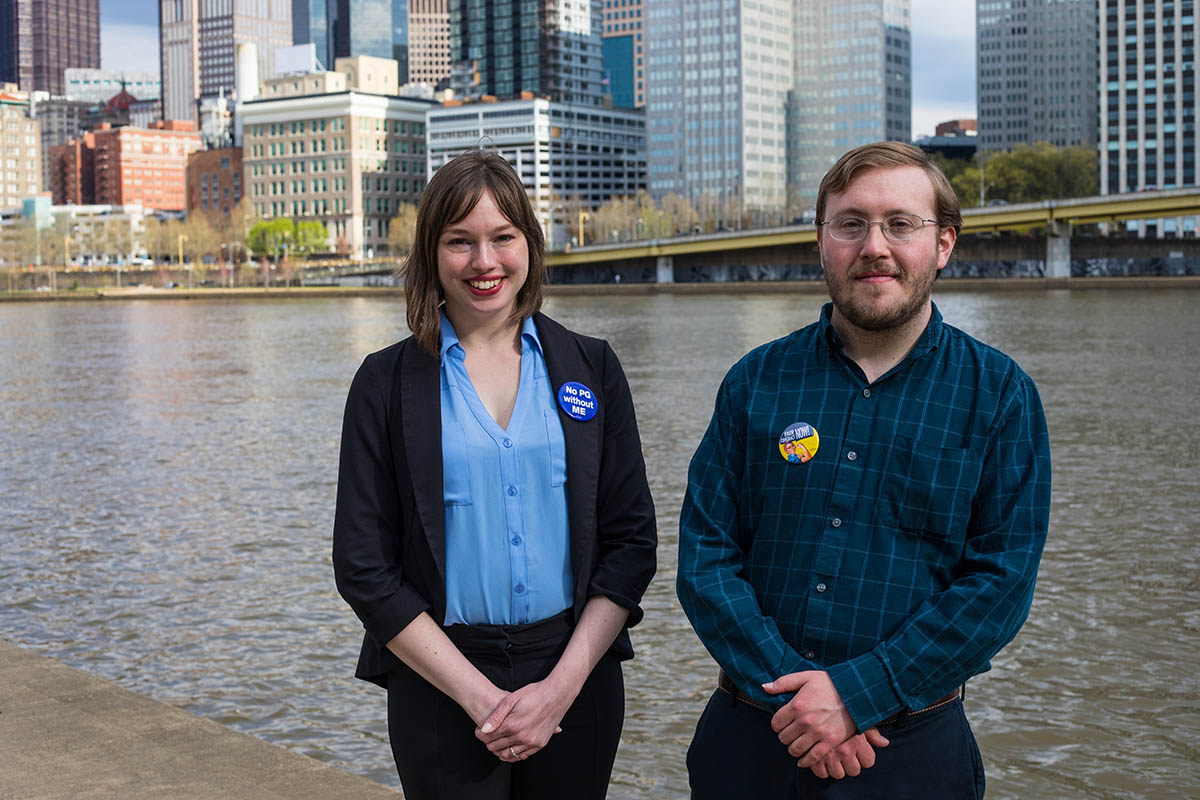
(891, 154)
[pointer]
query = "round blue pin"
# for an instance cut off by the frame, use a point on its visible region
(577, 401)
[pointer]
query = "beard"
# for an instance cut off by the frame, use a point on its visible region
(864, 311)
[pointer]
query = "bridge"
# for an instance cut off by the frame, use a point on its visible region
(1056, 216)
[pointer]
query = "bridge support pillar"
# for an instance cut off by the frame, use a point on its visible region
(666, 269)
(1058, 250)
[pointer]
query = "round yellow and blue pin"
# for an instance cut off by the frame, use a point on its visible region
(798, 443)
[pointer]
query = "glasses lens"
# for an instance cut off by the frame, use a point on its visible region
(848, 229)
(902, 226)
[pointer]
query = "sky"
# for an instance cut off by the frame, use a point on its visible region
(943, 53)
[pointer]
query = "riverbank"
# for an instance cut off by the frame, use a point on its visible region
(715, 287)
(65, 733)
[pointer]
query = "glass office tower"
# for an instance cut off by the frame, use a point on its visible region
(551, 48)
(342, 28)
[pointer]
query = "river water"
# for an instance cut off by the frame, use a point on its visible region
(167, 474)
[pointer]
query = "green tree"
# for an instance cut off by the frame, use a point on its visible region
(1024, 175)
(266, 237)
(310, 236)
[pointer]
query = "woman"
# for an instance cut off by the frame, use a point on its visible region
(494, 528)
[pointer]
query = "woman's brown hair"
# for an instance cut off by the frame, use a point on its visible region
(448, 198)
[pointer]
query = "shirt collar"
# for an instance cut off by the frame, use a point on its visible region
(927, 341)
(451, 345)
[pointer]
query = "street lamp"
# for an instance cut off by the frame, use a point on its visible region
(583, 215)
(179, 240)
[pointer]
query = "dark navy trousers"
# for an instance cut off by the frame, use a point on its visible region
(735, 754)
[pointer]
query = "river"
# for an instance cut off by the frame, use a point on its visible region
(167, 486)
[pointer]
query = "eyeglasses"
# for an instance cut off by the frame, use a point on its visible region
(897, 227)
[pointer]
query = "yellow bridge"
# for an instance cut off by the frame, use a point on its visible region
(1056, 216)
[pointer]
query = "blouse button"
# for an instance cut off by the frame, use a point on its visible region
(519, 588)
(508, 442)
(512, 491)
(516, 541)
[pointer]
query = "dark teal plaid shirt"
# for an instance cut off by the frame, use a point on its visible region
(903, 555)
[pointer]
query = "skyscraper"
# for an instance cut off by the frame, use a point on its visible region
(345, 28)
(197, 45)
(753, 102)
(428, 41)
(853, 86)
(624, 56)
(1147, 137)
(550, 48)
(1036, 72)
(41, 38)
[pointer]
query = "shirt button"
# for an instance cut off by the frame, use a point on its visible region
(508, 442)
(512, 491)
(866, 392)
(519, 588)
(836, 522)
(516, 540)
(810, 654)
(820, 587)
(851, 456)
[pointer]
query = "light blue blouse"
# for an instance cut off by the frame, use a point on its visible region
(507, 545)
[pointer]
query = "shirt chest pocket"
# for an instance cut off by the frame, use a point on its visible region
(928, 490)
(456, 468)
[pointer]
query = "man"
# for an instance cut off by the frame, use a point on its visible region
(848, 598)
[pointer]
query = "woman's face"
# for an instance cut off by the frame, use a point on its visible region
(483, 261)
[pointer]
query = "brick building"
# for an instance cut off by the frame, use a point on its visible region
(119, 166)
(214, 181)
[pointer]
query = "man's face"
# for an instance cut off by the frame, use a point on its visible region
(878, 284)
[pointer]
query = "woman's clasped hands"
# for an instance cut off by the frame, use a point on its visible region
(523, 721)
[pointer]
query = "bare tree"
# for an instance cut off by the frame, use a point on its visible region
(402, 230)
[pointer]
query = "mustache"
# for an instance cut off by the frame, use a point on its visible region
(877, 269)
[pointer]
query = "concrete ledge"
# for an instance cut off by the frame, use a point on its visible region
(67, 734)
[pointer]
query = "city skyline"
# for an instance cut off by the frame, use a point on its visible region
(943, 54)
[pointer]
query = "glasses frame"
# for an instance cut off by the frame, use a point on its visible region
(882, 223)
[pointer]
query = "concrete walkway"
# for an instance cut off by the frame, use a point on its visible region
(66, 735)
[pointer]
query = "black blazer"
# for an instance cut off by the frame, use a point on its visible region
(389, 528)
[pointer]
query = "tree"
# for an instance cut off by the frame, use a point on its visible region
(162, 238)
(1024, 175)
(118, 238)
(682, 218)
(202, 238)
(310, 236)
(402, 230)
(266, 237)
(614, 221)
(234, 228)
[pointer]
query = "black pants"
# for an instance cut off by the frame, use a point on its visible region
(735, 754)
(433, 739)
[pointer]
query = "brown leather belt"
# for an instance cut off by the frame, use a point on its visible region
(725, 684)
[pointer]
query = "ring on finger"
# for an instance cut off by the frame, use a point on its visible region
(512, 752)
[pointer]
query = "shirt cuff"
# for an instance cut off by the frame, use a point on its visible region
(866, 689)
